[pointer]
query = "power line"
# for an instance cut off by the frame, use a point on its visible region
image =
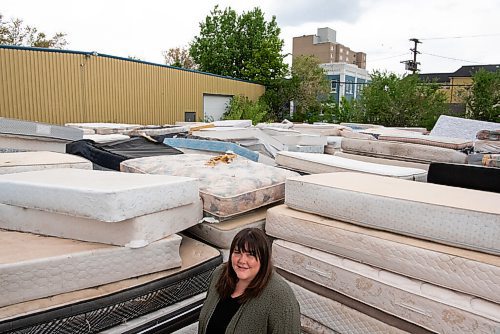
(457, 37)
(400, 55)
(467, 61)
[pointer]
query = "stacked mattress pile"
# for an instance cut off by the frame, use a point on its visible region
(16, 162)
(84, 250)
(408, 146)
(235, 191)
(372, 254)
(18, 135)
(323, 163)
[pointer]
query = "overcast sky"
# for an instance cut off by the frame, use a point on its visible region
(454, 32)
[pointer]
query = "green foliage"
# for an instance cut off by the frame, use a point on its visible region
(391, 100)
(242, 46)
(311, 88)
(15, 32)
(179, 57)
(483, 98)
(240, 107)
(277, 97)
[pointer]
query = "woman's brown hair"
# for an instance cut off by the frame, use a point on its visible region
(254, 241)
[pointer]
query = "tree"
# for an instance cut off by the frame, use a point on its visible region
(482, 99)
(179, 57)
(242, 46)
(391, 100)
(312, 87)
(240, 107)
(15, 32)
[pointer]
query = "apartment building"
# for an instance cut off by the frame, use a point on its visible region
(325, 47)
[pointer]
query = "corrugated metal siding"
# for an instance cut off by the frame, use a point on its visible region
(63, 87)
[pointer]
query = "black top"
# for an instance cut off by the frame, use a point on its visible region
(224, 311)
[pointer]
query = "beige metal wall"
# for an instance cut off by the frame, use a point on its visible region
(63, 87)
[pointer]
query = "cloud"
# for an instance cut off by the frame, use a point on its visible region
(298, 12)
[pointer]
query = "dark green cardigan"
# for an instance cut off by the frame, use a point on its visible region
(275, 310)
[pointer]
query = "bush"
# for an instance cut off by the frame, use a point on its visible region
(240, 107)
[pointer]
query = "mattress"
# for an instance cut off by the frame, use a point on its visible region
(470, 272)
(101, 195)
(322, 163)
(487, 146)
(102, 139)
(491, 160)
(222, 234)
(337, 316)
(190, 329)
(457, 127)
(423, 304)
(318, 129)
(95, 309)
(455, 216)
(465, 176)
(9, 126)
(310, 326)
(29, 161)
(34, 266)
(383, 161)
(302, 139)
(138, 231)
(404, 151)
(27, 143)
(229, 184)
(164, 320)
(104, 128)
(418, 138)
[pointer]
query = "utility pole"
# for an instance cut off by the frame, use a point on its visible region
(412, 65)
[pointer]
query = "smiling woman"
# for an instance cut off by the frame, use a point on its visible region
(246, 295)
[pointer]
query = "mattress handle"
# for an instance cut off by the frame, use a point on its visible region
(414, 309)
(317, 271)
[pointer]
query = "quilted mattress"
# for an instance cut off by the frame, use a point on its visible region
(310, 326)
(322, 163)
(227, 188)
(95, 309)
(337, 316)
(423, 304)
(470, 272)
(140, 230)
(101, 195)
(402, 151)
(221, 234)
(455, 216)
(34, 266)
(29, 161)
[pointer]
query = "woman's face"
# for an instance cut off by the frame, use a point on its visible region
(245, 265)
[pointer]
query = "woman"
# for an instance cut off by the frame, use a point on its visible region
(246, 296)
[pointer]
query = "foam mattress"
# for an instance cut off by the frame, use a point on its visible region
(222, 234)
(383, 161)
(227, 188)
(455, 216)
(101, 195)
(34, 266)
(470, 272)
(415, 301)
(29, 161)
(403, 151)
(337, 316)
(322, 163)
(137, 231)
(95, 309)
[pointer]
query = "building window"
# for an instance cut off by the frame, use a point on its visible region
(333, 86)
(341, 50)
(331, 48)
(347, 52)
(340, 58)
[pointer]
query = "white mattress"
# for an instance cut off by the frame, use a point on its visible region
(471, 272)
(138, 231)
(336, 316)
(30, 161)
(229, 184)
(403, 151)
(102, 195)
(323, 163)
(455, 216)
(27, 143)
(310, 326)
(421, 303)
(222, 234)
(383, 161)
(33, 266)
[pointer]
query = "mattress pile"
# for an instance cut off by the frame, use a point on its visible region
(367, 253)
(322, 163)
(16, 162)
(66, 231)
(235, 191)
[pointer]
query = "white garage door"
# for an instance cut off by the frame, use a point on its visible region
(214, 106)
